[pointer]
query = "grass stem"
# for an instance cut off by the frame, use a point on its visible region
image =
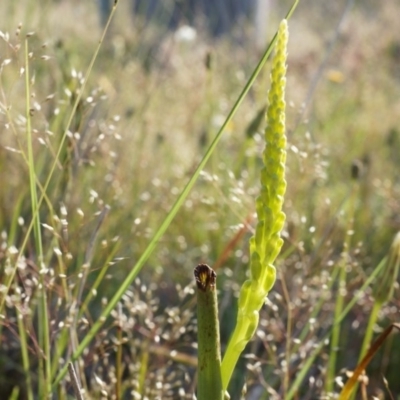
(43, 318)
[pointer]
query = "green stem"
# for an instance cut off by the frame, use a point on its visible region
(43, 318)
(22, 328)
(118, 366)
(367, 338)
(370, 329)
(209, 354)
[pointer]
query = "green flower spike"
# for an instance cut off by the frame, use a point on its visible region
(266, 244)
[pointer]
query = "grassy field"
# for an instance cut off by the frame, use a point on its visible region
(114, 162)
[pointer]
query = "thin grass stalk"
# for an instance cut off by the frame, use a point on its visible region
(387, 352)
(24, 352)
(144, 364)
(118, 364)
(93, 288)
(14, 394)
(12, 233)
(43, 317)
(58, 349)
(62, 273)
(209, 96)
(88, 259)
(369, 332)
(171, 214)
(75, 382)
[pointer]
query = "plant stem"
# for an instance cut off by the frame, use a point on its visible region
(367, 339)
(209, 354)
(75, 382)
(370, 329)
(22, 328)
(43, 318)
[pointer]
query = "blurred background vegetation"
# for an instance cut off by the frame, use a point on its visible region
(159, 91)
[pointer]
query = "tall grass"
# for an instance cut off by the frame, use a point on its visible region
(114, 142)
